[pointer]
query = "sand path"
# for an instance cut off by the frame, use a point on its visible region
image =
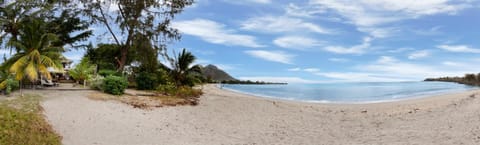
(225, 117)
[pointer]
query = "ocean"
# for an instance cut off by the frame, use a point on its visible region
(358, 92)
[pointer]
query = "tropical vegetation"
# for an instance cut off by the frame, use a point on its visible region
(468, 79)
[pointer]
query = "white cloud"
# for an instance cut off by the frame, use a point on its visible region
(377, 12)
(357, 49)
(432, 31)
(248, 1)
(311, 70)
(419, 54)
(279, 79)
(295, 69)
(274, 56)
(459, 48)
(214, 32)
(453, 64)
(297, 11)
(370, 15)
(386, 59)
(296, 42)
(360, 77)
(281, 24)
(225, 66)
(338, 59)
(379, 32)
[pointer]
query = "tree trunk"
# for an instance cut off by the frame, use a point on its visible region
(123, 58)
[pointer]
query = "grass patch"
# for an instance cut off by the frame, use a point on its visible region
(21, 122)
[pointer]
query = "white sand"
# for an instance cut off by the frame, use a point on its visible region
(225, 117)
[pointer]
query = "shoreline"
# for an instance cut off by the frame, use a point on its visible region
(413, 97)
(226, 117)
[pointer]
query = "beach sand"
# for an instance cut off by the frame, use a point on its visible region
(225, 117)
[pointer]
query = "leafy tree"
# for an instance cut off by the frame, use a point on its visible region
(82, 71)
(104, 55)
(66, 23)
(35, 51)
(145, 19)
(183, 70)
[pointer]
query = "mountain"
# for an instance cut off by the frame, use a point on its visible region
(214, 73)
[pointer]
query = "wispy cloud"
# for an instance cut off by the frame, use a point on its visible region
(281, 24)
(419, 54)
(307, 12)
(248, 1)
(459, 48)
(338, 59)
(297, 42)
(216, 33)
(274, 56)
(294, 69)
(357, 49)
(377, 12)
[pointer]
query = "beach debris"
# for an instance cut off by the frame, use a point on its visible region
(473, 95)
(364, 111)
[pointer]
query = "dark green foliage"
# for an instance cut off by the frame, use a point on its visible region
(106, 73)
(106, 56)
(114, 85)
(468, 79)
(67, 23)
(170, 89)
(183, 73)
(145, 25)
(146, 81)
(11, 85)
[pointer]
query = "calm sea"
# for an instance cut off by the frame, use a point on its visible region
(351, 92)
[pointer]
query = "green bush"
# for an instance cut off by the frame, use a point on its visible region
(146, 81)
(114, 85)
(106, 73)
(11, 85)
(95, 82)
(187, 92)
(182, 91)
(168, 88)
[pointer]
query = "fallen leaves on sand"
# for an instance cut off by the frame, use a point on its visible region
(145, 102)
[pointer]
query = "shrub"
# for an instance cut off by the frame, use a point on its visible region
(106, 73)
(188, 92)
(182, 91)
(11, 85)
(114, 85)
(96, 82)
(146, 81)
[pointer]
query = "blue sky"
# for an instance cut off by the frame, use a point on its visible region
(313, 41)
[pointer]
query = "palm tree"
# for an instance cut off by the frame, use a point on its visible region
(82, 71)
(35, 52)
(182, 68)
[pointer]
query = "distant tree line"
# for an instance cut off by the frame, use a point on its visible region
(249, 82)
(468, 79)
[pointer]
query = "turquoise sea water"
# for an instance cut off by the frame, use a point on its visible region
(351, 92)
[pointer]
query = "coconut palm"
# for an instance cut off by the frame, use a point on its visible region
(82, 71)
(35, 52)
(183, 69)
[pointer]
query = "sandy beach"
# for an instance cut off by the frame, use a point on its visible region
(225, 117)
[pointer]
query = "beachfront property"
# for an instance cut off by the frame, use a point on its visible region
(288, 72)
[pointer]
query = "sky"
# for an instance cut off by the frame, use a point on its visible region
(316, 41)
